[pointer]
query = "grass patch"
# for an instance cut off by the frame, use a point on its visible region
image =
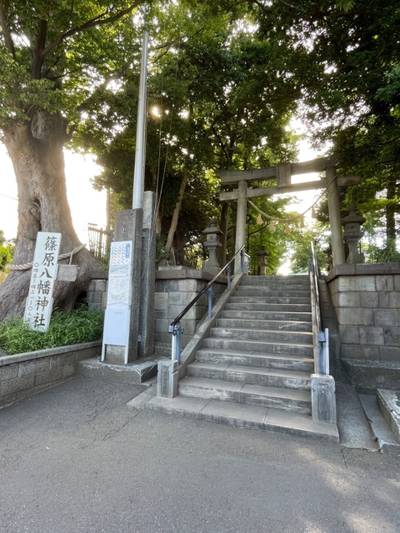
(75, 327)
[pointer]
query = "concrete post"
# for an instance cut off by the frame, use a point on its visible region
(147, 289)
(338, 256)
(167, 379)
(241, 219)
(129, 228)
(323, 399)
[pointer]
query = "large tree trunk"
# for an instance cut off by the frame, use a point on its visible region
(36, 151)
(175, 215)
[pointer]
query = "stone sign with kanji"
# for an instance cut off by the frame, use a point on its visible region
(39, 303)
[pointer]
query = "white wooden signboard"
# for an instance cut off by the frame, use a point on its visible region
(119, 297)
(39, 303)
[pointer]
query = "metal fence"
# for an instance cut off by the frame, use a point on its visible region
(99, 241)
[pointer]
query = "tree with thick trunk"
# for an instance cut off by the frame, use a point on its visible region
(51, 53)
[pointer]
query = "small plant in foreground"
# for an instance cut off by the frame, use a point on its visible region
(74, 327)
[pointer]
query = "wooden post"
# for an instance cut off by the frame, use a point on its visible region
(241, 217)
(338, 257)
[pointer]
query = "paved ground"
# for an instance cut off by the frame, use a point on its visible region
(75, 459)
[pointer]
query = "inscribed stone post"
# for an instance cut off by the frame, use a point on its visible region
(39, 303)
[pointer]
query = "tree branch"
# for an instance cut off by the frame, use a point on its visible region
(5, 27)
(38, 53)
(99, 20)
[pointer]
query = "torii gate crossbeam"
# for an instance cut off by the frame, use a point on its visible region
(283, 175)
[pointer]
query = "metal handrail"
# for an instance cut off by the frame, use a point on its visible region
(320, 336)
(174, 327)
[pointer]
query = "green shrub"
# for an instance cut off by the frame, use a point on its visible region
(77, 326)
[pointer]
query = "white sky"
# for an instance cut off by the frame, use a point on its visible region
(87, 205)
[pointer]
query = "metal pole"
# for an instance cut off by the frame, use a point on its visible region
(210, 302)
(140, 153)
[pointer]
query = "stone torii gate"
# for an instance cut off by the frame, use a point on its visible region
(283, 175)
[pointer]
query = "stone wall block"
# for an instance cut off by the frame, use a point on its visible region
(181, 285)
(160, 300)
(161, 313)
(15, 385)
(371, 335)
(349, 334)
(8, 372)
(391, 336)
(161, 325)
(34, 367)
(389, 299)
(396, 282)
(356, 283)
(384, 283)
(360, 351)
(348, 299)
(369, 299)
(390, 353)
(355, 316)
(387, 317)
(182, 298)
(197, 312)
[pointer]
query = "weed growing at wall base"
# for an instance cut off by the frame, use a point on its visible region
(74, 327)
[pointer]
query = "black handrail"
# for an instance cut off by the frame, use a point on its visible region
(203, 291)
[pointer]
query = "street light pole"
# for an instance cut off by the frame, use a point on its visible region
(140, 153)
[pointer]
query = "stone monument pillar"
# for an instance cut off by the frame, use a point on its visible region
(212, 244)
(262, 263)
(352, 235)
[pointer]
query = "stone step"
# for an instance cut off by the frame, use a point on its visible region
(306, 364)
(276, 280)
(213, 389)
(249, 346)
(271, 292)
(255, 323)
(270, 299)
(252, 290)
(271, 307)
(280, 316)
(299, 285)
(244, 416)
(293, 379)
(301, 337)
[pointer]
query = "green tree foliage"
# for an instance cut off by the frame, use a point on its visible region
(347, 63)
(6, 252)
(215, 107)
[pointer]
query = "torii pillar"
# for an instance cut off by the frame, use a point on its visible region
(332, 192)
(241, 219)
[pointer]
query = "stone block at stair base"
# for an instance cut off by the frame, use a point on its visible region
(323, 399)
(389, 403)
(167, 379)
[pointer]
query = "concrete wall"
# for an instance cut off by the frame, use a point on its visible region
(24, 374)
(367, 301)
(175, 288)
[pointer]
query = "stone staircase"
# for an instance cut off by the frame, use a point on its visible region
(254, 367)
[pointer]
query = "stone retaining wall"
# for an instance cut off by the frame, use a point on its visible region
(367, 301)
(24, 374)
(175, 288)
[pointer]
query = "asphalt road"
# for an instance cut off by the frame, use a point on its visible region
(76, 459)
